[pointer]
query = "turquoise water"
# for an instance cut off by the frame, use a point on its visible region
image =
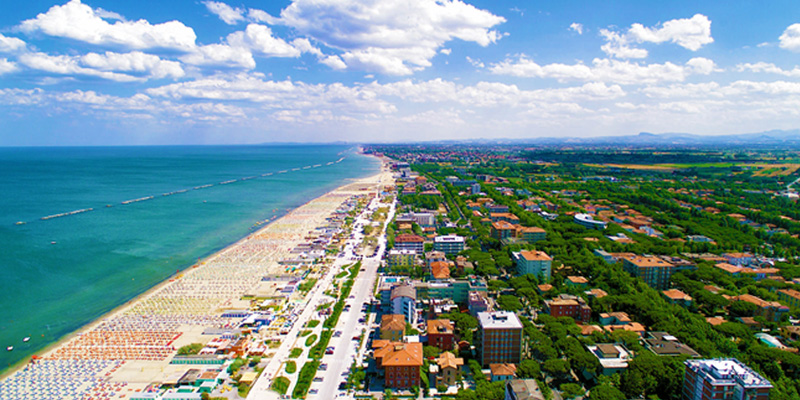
(64, 272)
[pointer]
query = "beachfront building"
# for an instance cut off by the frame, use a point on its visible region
(499, 338)
(401, 258)
(408, 241)
(449, 244)
(725, 378)
(441, 334)
(533, 262)
(400, 362)
(654, 271)
(404, 302)
(588, 221)
(393, 327)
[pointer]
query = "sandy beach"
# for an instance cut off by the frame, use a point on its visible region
(129, 348)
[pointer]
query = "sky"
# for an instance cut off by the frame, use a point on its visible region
(97, 72)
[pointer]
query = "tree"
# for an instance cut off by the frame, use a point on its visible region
(606, 392)
(556, 367)
(571, 390)
(430, 351)
(509, 303)
(528, 369)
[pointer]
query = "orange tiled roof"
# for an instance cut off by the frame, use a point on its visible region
(401, 355)
(439, 326)
(447, 359)
(393, 322)
(503, 369)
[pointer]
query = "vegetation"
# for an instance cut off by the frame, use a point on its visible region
(691, 202)
(291, 367)
(295, 352)
(281, 384)
(190, 349)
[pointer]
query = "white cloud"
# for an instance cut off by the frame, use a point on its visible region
(7, 66)
(605, 70)
(259, 38)
(10, 44)
(78, 21)
(137, 62)
(768, 68)
(67, 65)
(576, 27)
(446, 51)
(689, 33)
(226, 13)
(220, 55)
(790, 39)
(617, 46)
(395, 37)
(261, 16)
(692, 33)
(334, 62)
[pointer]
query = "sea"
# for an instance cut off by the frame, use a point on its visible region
(150, 212)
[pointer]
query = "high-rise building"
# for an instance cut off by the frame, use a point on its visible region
(534, 262)
(723, 379)
(499, 338)
(448, 244)
(654, 271)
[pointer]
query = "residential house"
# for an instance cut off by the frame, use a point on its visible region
(502, 372)
(441, 334)
(675, 296)
(393, 327)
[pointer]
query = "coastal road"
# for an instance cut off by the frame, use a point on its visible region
(345, 348)
(260, 389)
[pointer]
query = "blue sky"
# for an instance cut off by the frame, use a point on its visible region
(86, 72)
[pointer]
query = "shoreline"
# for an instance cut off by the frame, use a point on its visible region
(120, 309)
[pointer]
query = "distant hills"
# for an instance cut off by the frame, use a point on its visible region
(767, 139)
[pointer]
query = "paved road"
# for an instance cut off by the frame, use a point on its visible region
(362, 290)
(345, 348)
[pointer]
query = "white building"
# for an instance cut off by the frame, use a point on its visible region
(404, 302)
(589, 222)
(448, 244)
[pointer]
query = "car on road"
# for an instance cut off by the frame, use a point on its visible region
(313, 391)
(337, 333)
(356, 338)
(329, 350)
(323, 367)
(318, 379)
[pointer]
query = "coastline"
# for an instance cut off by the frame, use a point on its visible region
(190, 270)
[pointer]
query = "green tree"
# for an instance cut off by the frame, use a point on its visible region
(528, 369)
(571, 390)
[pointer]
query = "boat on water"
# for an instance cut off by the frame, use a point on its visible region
(53, 242)
(20, 223)
(10, 348)
(26, 339)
